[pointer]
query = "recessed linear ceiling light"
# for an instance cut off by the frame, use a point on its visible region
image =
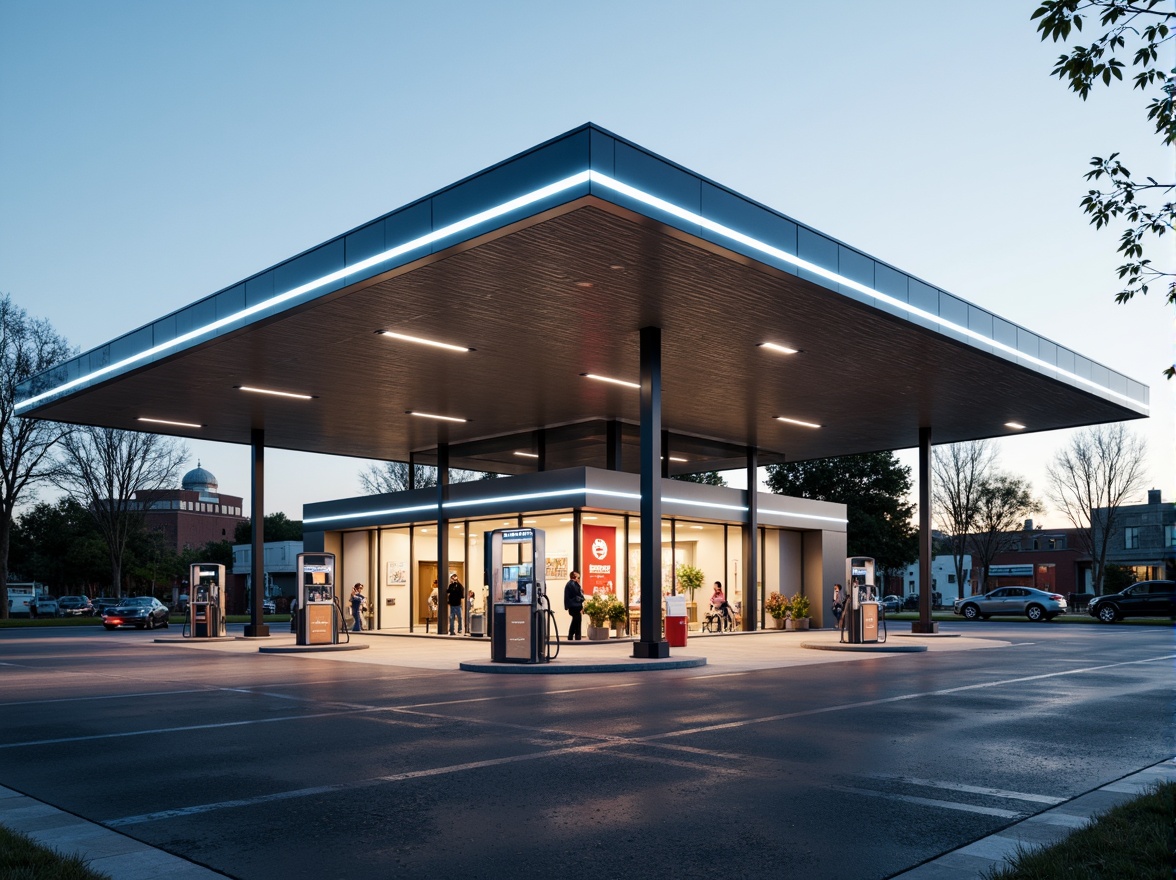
(780, 349)
(526, 455)
(425, 415)
(1016, 426)
(403, 337)
(167, 422)
(675, 458)
(584, 284)
(598, 378)
(254, 390)
(796, 422)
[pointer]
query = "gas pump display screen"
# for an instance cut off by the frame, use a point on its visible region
(317, 581)
(516, 583)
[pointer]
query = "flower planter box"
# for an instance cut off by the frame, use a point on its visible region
(802, 623)
(774, 623)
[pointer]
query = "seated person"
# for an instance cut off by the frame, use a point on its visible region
(719, 602)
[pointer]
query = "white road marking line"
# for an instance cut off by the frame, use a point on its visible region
(972, 789)
(200, 690)
(608, 741)
(785, 716)
(168, 730)
(930, 802)
(395, 777)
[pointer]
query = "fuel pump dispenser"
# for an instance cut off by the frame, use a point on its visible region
(319, 615)
(521, 626)
(862, 605)
(206, 601)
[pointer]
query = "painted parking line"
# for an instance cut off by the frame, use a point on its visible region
(930, 802)
(971, 789)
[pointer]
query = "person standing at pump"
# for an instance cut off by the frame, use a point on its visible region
(838, 604)
(574, 605)
(454, 594)
(357, 602)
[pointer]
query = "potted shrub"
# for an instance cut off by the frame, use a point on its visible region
(799, 610)
(617, 614)
(690, 579)
(777, 608)
(596, 609)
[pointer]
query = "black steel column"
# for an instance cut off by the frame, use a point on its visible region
(257, 626)
(924, 624)
(541, 448)
(665, 454)
(577, 542)
(650, 642)
(751, 544)
(612, 453)
(411, 471)
(442, 538)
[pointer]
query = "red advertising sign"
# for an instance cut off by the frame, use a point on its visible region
(600, 559)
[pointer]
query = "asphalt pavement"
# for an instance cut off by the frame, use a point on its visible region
(164, 759)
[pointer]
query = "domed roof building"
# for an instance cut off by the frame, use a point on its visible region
(194, 514)
(200, 480)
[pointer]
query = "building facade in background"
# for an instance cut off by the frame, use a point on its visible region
(193, 515)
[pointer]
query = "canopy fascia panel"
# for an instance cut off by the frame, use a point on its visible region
(547, 265)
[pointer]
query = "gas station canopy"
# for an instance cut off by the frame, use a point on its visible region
(539, 273)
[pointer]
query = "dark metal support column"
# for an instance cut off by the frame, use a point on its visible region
(442, 538)
(751, 543)
(257, 626)
(650, 642)
(541, 449)
(613, 445)
(411, 471)
(924, 624)
(665, 454)
(577, 542)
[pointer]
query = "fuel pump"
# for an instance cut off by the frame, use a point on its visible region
(206, 601)
(523, 620)
(862, 603)
(319, 615)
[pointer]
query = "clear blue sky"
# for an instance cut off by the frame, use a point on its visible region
(152, 152)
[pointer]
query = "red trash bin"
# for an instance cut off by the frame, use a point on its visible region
(676, 632)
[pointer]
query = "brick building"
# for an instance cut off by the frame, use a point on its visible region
(194, 514)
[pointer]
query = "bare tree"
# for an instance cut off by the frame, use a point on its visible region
(103, 468)
(1004, 502)
(958, 472)
(392, 476)
(1089, 481)
(27, 346)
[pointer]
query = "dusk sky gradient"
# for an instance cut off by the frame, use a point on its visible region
(153, 153)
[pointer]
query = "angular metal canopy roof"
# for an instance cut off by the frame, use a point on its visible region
(547, 266)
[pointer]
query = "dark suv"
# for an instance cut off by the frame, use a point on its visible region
(1145, 599)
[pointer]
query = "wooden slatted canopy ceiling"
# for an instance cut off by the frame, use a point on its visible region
(547, 266)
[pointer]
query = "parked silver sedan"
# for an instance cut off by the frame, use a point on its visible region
(1034, 604)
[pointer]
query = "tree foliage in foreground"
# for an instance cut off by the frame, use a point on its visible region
(1089, 481)
(874, 487)
(392, 476)
(27, 346)
(706, 478)
(276, 527)
(959, 471)
(1004, 503)
(1143, 30)
(103, 468)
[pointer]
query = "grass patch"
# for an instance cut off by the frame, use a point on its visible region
(10, 622)
(21, 858)
(1132, 840)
